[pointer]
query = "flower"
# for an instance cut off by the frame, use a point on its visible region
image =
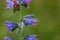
(30, 37)
(29, 16)
(11, 26)
(27, 1)
(20, 1)
(30, 21)
(8, 38)
(9, 4)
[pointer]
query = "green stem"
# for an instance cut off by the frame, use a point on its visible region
(20, 22)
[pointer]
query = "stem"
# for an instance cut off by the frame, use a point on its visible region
(20, 22)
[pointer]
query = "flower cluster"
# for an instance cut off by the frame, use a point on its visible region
(26, 37)
(25, 21)
(15, 4)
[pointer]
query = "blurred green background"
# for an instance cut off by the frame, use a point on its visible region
(48, 12)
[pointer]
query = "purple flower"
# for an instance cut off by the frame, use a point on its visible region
(11, 26)
(9, 4)
(30, 37)
(30, 21)
(8, 38)
(27, 1)
(29, 16)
